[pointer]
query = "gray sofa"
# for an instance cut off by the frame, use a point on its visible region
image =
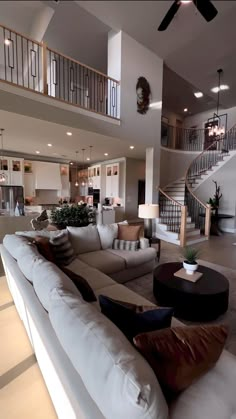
(89, 367)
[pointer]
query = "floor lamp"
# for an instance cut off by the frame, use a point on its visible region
(148, 212)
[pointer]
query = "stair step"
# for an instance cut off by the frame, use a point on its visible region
(196, 239)
(192, 232)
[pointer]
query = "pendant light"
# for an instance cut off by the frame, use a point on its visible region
(3, 176)
(90, 180)
(76, 182)
(83, 183)
(216, 129)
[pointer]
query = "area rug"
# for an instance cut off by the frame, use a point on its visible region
(143, 286)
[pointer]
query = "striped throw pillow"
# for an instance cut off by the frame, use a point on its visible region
(62, 248)
(125, 244)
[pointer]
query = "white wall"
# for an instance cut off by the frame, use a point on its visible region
(172, 116)
(225, 178)
(135, 171)
(200, 118)
(174, 164)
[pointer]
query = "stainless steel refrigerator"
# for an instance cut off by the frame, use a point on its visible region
(12, 200)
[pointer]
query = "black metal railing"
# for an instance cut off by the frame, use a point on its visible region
(78, 84)
(32, 65)
(196, 210)
(170, 212)
(209, 158)
(188, 139)
(20, 60)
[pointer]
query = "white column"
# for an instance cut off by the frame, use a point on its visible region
(152, 175)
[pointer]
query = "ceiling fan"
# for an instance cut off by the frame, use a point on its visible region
(205, 7)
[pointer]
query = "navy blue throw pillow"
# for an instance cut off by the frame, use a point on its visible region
(133, 319)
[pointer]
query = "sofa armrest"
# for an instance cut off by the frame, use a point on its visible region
(144, 243)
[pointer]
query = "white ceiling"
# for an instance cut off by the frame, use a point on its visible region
(191, 47)
(27, 135)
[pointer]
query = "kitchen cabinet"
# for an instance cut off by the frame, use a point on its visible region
(13, 170)
(29, 185)
(112, 180)
(94, 177)
(47, 175)
(64, 192)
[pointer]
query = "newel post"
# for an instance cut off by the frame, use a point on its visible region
(183, 223)
(44, 66)
(208, 220)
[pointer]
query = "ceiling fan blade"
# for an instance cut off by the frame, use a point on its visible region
(169, 15)
(206, 8)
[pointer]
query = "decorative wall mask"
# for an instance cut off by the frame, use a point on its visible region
(143, 95)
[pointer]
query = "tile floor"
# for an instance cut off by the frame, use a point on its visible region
(23, 393)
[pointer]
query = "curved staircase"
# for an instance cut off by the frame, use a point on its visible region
(183, 218)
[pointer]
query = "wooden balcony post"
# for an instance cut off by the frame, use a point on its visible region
(44, 66)
(208, 220)
(183, 225)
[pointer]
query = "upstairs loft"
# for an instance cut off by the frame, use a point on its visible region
(33, 66)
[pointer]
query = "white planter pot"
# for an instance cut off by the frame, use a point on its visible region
(190, 269)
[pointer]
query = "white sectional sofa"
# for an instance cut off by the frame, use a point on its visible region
(89, 367)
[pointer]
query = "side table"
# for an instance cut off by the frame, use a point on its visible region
(156, 243)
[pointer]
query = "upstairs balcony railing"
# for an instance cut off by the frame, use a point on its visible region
(188, 139)
(32, 65)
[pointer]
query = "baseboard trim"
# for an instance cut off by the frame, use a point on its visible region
(229, 230)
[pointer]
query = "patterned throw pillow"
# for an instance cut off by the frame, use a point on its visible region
(125, 244)
(62, 248)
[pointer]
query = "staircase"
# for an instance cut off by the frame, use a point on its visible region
(184, 219)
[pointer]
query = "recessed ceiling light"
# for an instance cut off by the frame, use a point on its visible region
(185, 109)
(185, 1)
(222, 87)
(71, 163)
(131, 147)
(105, 154)
(49, 145)
(37, 152)
(198, 94)
(7, 41)
(69, 133)
(88, 159)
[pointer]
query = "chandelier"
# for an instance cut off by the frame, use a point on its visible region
(3, 176)
(216, 129)
(76, 180)
(90, 179)
(83, 181)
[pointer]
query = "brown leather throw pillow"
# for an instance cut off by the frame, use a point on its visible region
(44, 248)
(180, 355)
(127, 232)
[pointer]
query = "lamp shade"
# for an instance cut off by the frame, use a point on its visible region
(148, 211)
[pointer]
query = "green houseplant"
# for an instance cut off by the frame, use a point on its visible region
(215, 201)
(190, 255)
(78, 215)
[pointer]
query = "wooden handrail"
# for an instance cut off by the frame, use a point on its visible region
(83, 65)
(20, 34)
(171, 199)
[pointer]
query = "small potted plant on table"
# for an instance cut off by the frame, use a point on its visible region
(190, 263)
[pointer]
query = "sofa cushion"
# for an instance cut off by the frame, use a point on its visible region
(133, 319)
(44, 247)
(107, 233)
(104, 261)
(28, 259)
(84, 239)
(46, 277)
(131, 245)
(117, 377)
(15, 244)
(118, 291)
(128, 232)
(133, 259)
(95, 278)
(62, 248)
(180, 355)
(80, 283)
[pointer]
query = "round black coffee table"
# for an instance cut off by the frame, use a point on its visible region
(203, 300)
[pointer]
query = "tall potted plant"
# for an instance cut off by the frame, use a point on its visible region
(215, 201)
